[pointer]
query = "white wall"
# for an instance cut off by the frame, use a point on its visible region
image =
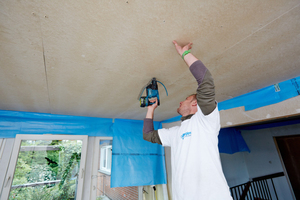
(234, 168)
(264, 158)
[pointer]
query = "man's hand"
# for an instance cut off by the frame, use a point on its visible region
(151, 108)
(181, 49)
(189, 58)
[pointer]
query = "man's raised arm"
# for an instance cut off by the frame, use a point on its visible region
(206, 88)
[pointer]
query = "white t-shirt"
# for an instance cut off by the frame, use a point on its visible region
(196, 167)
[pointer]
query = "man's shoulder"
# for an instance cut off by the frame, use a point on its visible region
(168, 130)
(215, 113)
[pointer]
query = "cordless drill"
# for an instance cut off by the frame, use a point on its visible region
(151, 92)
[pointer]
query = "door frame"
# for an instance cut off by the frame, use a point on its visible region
(282, 164)
(14, 157)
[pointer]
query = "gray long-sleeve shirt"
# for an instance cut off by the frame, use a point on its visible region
(205, 98)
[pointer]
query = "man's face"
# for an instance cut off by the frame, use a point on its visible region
(185, 106)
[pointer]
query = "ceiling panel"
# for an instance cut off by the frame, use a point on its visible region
(92, 58)
(23, 84)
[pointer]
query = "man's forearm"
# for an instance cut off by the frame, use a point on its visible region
(189, 59)
(149, 133)
(150, 113)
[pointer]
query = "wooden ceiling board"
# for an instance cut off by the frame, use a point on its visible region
(277, 59)
(92, 58)
(23, 84)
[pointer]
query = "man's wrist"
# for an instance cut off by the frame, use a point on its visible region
(185, 53)
(150, 113)
(150, 109)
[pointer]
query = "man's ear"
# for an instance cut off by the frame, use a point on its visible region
(194, 102)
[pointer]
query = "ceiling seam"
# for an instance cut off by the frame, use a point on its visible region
(262, 27)
(45, 66)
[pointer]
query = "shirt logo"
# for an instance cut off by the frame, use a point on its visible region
(187, 134)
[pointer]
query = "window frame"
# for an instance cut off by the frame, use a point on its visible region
(105, 166)
(17, 148)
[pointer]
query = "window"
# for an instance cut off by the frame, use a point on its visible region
(105, 159)
(46, 167)
(101, 184)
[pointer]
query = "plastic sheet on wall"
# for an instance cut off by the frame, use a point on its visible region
(135, 161)
(231, 141)
(173, 119)
(265, 96)
(14, 122)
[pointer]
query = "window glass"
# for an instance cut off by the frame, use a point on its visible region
(47, 169)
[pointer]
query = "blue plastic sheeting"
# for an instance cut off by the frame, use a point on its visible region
(265, 96)
(13, 122)
(174, 119)
(135, 161)
(130, 135)
(231, 141)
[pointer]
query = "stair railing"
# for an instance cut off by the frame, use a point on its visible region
(256, 189)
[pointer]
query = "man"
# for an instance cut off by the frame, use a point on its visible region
(196, 168)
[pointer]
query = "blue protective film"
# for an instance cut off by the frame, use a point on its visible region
(261, 96)
(288, 89)
(14, 122)
(265, 96)
(231, 141)
(173, 119)
(135, 161)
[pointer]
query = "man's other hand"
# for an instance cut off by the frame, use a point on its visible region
(153, 106)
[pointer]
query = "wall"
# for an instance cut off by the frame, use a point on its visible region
(264, 158)
(234, 168)
(119, 193)
(238, 116)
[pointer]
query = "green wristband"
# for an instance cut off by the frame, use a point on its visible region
(185, 53)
